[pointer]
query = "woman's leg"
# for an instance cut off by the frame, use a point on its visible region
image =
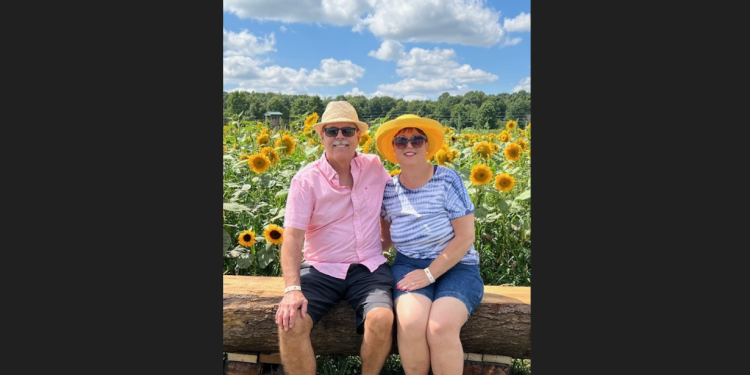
(412, 311)
(447, 316)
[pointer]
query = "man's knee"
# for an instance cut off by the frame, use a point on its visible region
(302, 328)
(380, 318)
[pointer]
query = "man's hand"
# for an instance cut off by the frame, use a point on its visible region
(287, 311)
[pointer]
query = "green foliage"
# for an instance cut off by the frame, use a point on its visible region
(252, 201)
(520, 367)
(473, 109)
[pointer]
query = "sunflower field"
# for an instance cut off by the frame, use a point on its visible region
(259, 163)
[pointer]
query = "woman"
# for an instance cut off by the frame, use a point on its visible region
(428, 216)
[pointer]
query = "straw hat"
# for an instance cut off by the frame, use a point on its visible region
(340, 111)
(385, 133)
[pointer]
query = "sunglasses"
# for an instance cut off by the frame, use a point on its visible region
(347, 132)
(416, 141)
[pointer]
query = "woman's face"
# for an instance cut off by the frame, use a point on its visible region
(410, 153)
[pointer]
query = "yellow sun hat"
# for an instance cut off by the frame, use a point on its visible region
(340, 111)
(385, 133)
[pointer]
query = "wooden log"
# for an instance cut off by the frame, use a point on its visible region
(501, 324)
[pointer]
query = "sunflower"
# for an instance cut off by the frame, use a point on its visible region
(263, 139)
(504, 182)
(483, 149)
(441, 157)
(366, 146)
(247, 238)
(311, 120)
(244, 157)
(364, 138)
(271, 153)
(452, 154)
(395, 172)
(522, 142)
(274, 234)
(225, 148)
(480, 174)
(259, 163)
(510, 125)
(513, 151)
(288, 143)
(503, 136)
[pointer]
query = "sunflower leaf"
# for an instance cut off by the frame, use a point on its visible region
(227, 241)
(481, 212)
(265, 257)
(280, 215)
(502, 205)
(236, 207)
(526, 194)
(245, 262)
(282, 194)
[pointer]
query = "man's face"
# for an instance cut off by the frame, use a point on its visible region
(341, 145)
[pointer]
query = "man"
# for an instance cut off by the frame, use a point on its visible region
(333, 214)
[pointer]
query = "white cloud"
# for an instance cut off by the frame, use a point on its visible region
(437, 64)
(356, 92)
(246, 44)
(507, 42)
(333, 12)
(244, 67)
(425, 72)
(522, 22)
(525, 84)
(466, 22)
(335, 73)
(282, 29)
(389, 50)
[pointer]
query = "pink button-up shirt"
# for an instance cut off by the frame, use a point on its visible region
(341, 224)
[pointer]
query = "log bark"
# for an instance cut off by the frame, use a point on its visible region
(501, 324)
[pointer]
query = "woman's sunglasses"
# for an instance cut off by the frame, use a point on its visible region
(347, 132)
(416, 141)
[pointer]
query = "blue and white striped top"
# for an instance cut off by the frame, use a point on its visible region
(421, 219)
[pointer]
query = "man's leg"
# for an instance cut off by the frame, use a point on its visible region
(295, 347)
(377, 340)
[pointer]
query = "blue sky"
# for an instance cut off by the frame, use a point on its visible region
(409, 49)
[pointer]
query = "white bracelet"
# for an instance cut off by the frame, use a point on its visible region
(429, 275)
(291, 288)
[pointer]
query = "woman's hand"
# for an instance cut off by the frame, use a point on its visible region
(413, 280)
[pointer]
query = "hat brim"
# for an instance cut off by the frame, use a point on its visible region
(386, 132)
(319, 126)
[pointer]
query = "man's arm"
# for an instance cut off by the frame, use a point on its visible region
(291, 257)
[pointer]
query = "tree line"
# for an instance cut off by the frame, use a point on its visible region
(474, 109)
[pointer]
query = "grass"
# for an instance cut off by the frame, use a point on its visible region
(352, 365)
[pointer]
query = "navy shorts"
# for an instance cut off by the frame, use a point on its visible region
(462, 281)
(362, 289)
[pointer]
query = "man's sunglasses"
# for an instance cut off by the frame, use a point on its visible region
(347, 132)
(416, 141)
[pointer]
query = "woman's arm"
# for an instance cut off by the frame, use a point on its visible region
(385, 234)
